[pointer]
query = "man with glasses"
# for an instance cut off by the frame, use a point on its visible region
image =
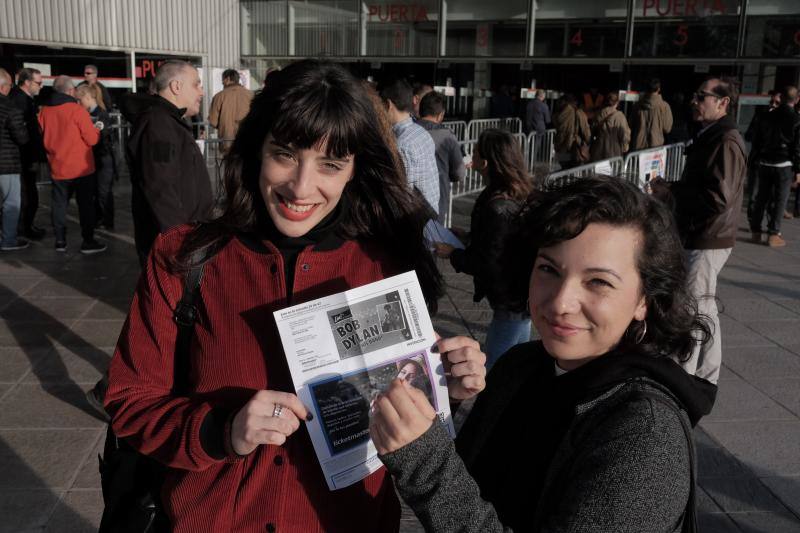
(90, 78)
(708, 200)
(34, 160)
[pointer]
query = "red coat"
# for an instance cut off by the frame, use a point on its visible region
(68, 135)
(236, 351)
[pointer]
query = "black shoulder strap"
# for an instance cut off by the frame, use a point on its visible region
(690, 515)
(185, 316)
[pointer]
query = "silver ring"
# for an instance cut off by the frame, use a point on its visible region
(277, 411)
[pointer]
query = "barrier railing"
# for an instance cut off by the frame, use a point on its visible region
(608, 167)
(472, 182)
(475, 127)
(540, 150)
(458, 127)
(673, 163)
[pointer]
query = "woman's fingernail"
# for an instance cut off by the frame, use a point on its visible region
(309, 417)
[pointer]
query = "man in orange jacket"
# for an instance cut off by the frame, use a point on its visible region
(68, 135)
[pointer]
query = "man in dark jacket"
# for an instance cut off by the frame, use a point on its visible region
(34, 159)
(170, 182)
(652, 118)
(449, 159)
(537, 114)
(708, 200)
(171, 185)
(12, 135)
(776, 140)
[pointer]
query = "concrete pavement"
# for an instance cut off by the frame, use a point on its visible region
(60, 315)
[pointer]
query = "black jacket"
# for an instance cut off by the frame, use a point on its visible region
(33, 152)
(609, 438)
(104, 147)
(708, 199)
(777, 137)
(170, 180)
(12, 135)
(491, 227)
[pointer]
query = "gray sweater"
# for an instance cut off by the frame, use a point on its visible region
(623, 465)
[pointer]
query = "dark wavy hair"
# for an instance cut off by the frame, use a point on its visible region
(555, 216)
(317, 103)
(507, 170)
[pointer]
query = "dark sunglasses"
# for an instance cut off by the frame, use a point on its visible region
(701, 95)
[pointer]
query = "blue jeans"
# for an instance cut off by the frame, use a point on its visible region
(503, 334)
(10, 202)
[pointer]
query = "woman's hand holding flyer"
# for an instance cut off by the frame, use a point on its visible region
(400, 416)
(465, 365)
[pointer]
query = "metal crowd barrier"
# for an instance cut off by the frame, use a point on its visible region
(608, 167)
(458, 127)
(674, 163)
(472, 182)
(540, 150)
(475, 127)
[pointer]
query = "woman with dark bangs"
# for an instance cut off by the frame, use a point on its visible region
(587, 429)
(497, 157)
(315, 205)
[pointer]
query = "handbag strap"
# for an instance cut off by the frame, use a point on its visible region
(185, 316)
(690, 514)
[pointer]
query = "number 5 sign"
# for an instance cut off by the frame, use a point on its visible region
(682, 36)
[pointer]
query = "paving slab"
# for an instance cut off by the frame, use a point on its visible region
(34, 405)
(71, 364)
(769, 448)
(787, 489)
(93, 332)
(26, 510)
(738, 400)
(785, 391)
(29, 309)
(759, 522)
(42, 458)
(79, 511)
(16, 361)
(762, 362)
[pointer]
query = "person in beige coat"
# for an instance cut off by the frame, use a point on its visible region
(572, 131)
(610, 132)
(229, 106)
(652, 118)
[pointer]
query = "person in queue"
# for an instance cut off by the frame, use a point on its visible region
(586, 429)
(315, 205)
(498, 158)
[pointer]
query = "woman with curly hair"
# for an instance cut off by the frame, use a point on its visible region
(586, 429)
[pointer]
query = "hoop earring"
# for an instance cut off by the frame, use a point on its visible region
(642, 332)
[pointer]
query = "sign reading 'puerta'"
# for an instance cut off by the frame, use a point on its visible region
(397, 13)
(683, 8)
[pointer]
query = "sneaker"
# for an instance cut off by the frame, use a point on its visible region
(775, 241)
(756, 238)
(61, 246)
(21, 245)
(92, 247)
(787, 215)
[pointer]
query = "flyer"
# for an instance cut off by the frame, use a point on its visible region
(345, 349)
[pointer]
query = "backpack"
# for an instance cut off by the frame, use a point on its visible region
(131, 482)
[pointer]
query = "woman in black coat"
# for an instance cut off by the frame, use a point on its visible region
(498, 158)
(586, 429)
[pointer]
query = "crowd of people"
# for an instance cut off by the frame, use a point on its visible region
(329, 184)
